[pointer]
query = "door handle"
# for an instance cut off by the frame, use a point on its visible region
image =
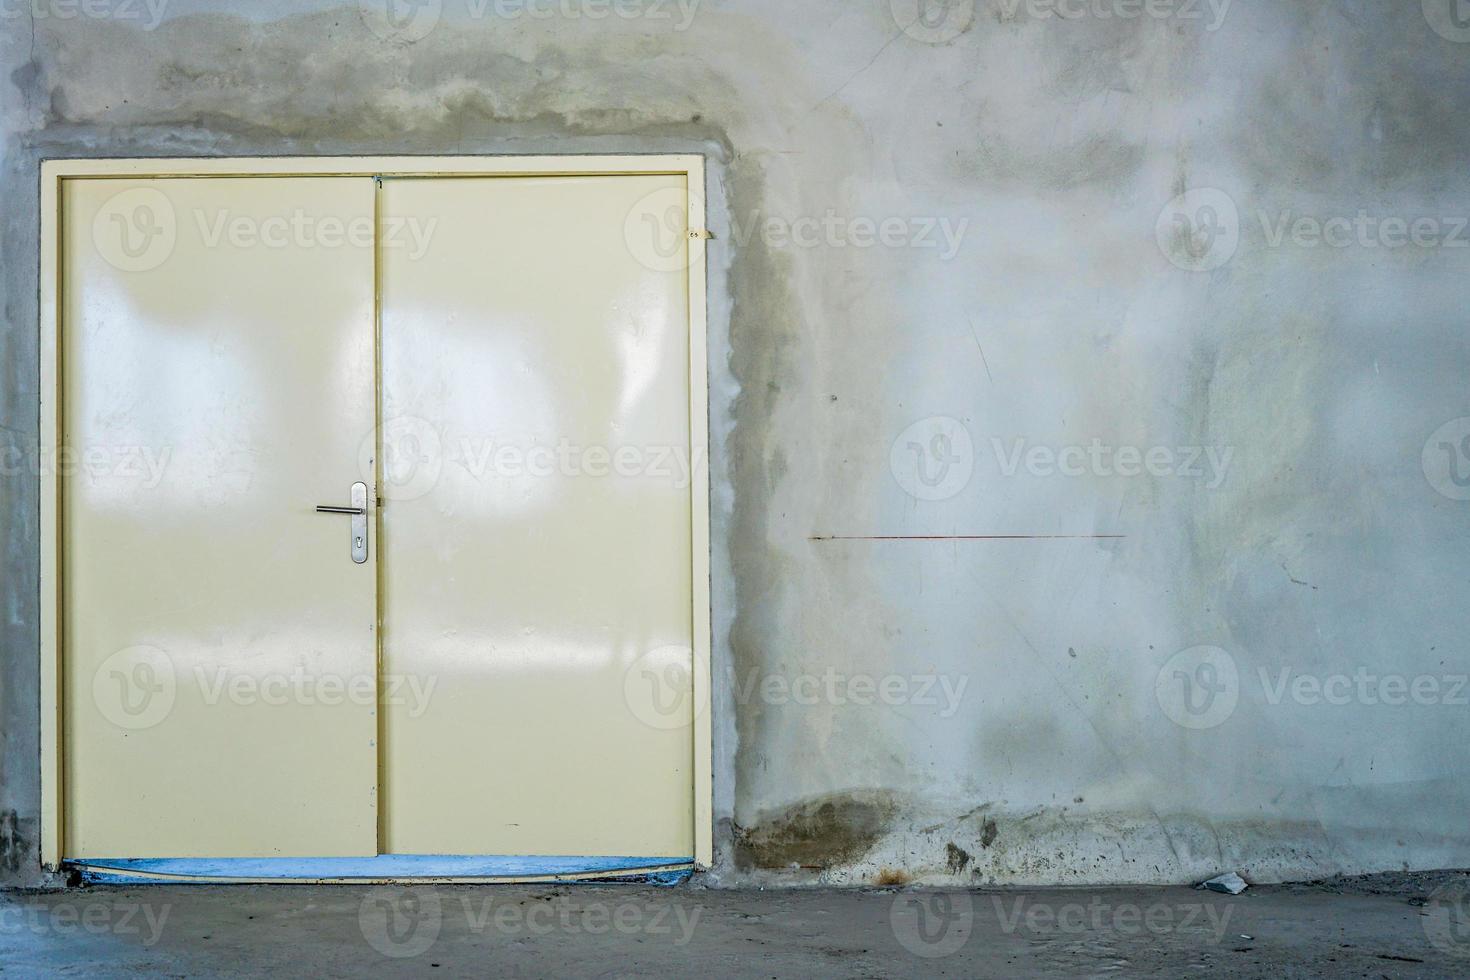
(358, 513)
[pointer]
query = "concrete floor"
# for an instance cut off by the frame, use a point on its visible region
(1393, 926)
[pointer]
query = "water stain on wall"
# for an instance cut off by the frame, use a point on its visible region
(816, 834)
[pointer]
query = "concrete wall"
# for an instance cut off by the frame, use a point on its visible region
(1166, 468)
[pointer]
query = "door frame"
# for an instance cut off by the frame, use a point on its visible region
(55, 171)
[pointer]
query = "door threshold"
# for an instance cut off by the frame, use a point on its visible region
(383, 869)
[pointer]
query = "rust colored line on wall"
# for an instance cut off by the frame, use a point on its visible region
(968, 537)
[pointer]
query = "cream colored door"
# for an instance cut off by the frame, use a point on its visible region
(537, 517)
(217, 350)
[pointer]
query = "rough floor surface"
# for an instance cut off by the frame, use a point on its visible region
(1398, 926)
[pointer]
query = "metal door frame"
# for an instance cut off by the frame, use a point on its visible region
(54, 172)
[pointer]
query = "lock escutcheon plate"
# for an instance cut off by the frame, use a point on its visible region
(359, 523)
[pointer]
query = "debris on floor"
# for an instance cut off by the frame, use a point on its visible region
(1229, 883)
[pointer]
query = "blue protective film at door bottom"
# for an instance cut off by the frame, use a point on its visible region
(407, 866)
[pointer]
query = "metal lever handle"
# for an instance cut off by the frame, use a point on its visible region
(358, 513)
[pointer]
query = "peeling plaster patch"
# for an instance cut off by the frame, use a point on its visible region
(1053, 846)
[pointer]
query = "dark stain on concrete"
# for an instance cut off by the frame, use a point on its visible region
(988, 833)
(1405, 102)
(956, 858)
(764, 332)
(12, 844)
(820, 833)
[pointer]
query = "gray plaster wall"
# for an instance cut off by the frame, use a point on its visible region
(1088, 393)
